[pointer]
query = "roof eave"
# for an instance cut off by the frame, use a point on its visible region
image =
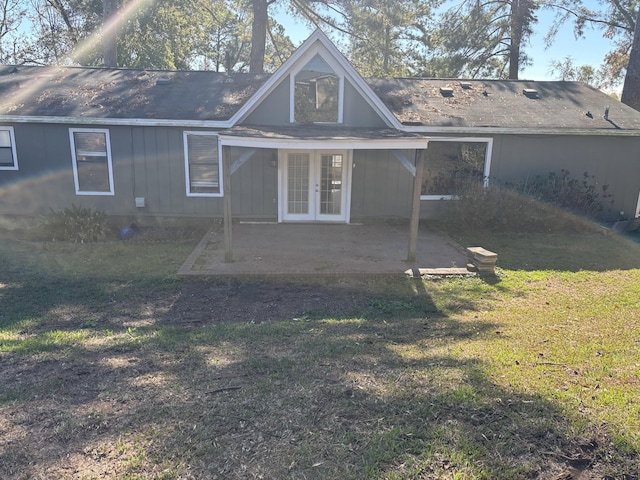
(142, 122)
(612, 132)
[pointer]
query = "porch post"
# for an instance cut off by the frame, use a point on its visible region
(226, 185)
(415, 207)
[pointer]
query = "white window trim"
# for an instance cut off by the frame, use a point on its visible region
(292, 86)
(185, 134)
(13, 149)
(487, 161)
(76, 180)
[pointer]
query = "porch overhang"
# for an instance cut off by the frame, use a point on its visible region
(322, 137)
(312, 137)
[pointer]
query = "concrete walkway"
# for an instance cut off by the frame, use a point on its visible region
(323, 249)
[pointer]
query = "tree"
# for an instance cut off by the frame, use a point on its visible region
(383, 37)
(12, 14)
(484, 39)
(110, 38)
(567, 70)
(631, 89)
(385, 34)
(259, 26)
(615, 18)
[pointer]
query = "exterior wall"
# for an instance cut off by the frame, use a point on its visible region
(45, 176)
(381, 186)
(274, 110)
(147, 162)
(613, 161)
(357, 112)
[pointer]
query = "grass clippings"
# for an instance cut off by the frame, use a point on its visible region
(112, 367)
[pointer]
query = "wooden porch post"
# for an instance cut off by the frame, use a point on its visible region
(415, 207)
(226, 185)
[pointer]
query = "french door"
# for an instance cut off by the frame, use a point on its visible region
(314, 186)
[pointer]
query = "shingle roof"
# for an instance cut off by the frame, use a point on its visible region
(502, 104)
(209, 96)
(117, 93)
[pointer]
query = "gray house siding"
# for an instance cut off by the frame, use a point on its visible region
(357, 112)
(613, 161)
(274, 110)
(45, 176)
(381, 186)
(254, 186)
(148, 162)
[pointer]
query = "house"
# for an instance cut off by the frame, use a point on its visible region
(313, 142)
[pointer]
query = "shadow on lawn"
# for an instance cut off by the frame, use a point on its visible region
(261, 380)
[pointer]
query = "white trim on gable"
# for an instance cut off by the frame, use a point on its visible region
(318, 43)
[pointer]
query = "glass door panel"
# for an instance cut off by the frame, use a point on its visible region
(330, 188)
(314, 186)
(298, 184)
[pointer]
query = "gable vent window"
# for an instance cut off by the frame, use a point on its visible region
(316, 95)
(203, 167)
(8, 159)
(92, 164)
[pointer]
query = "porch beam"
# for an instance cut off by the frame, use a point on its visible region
(246, 155)
(405, 161)
(415, 207)
(226, 188)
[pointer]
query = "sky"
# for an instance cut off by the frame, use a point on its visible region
(584, 51)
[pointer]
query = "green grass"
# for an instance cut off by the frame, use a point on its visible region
(519, 376)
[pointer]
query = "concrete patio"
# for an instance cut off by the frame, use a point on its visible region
(323, 249)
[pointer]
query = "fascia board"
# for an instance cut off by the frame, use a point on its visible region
(138, 122)
(520, 131)
(337, 143)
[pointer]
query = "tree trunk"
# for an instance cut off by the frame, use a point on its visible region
(258, 35)
(631, 88)
(109, 36)
(516, 40)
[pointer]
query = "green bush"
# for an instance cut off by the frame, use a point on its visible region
(75, 224)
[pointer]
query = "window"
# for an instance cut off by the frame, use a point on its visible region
(202, 164)
(452, 166)
(92, 167)
(8, 159)
(316, 93)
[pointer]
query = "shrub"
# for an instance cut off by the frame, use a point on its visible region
(75, 224)
(504, 209)
(582, 197)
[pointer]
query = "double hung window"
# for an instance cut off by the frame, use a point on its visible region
(203, 170)
(8, 158)
(92, 165)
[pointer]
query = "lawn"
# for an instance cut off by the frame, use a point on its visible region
(112, 367)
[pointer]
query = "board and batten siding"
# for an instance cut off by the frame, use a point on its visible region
(274, 110)
(148, 162)
(45, 176)
(381, 186)
(613, 161)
